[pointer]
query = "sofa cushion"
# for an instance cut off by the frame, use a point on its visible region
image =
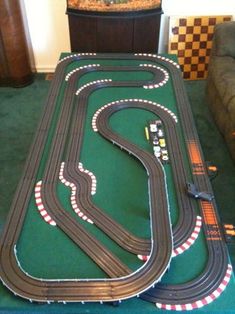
(222, 70)
(225, 39)
(231, 111)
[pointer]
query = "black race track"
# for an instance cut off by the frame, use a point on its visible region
(123, 283)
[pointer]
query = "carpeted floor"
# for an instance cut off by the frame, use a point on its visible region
(19, 114)
(20, 111)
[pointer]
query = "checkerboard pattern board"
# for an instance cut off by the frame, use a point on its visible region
(190, 38)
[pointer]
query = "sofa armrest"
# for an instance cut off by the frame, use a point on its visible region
(224, 39)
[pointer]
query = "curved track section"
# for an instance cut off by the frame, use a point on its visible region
(200, 302)
(169, 121)
(185, 246)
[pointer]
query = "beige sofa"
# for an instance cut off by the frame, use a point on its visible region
(221, 82)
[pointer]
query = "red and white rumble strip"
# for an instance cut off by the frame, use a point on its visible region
(40, 205)
(150, 55)
(92, 83)
(92, 176)
(77, 55)
(143, 258)
(186, 245)
(88, 66)
(73, 193)
(200, 303)
(160, 84)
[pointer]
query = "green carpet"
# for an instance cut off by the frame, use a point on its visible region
(19, 114)
(20, 111)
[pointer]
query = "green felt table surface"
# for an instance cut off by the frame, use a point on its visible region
(45, 252)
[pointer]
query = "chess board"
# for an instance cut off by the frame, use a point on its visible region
(190, 38)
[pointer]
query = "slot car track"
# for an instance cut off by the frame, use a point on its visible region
(108, 225)
(123, 283)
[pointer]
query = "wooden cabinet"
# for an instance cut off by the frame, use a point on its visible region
(14, 59)
(114, 32)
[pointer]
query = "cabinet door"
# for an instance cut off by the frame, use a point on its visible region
(83, 33)
(121, 33)
(114, 35)
(146, 33)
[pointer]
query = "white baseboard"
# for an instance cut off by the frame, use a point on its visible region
(44, 69)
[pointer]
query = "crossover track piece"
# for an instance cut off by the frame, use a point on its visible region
(73, 193)
(91, 175)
